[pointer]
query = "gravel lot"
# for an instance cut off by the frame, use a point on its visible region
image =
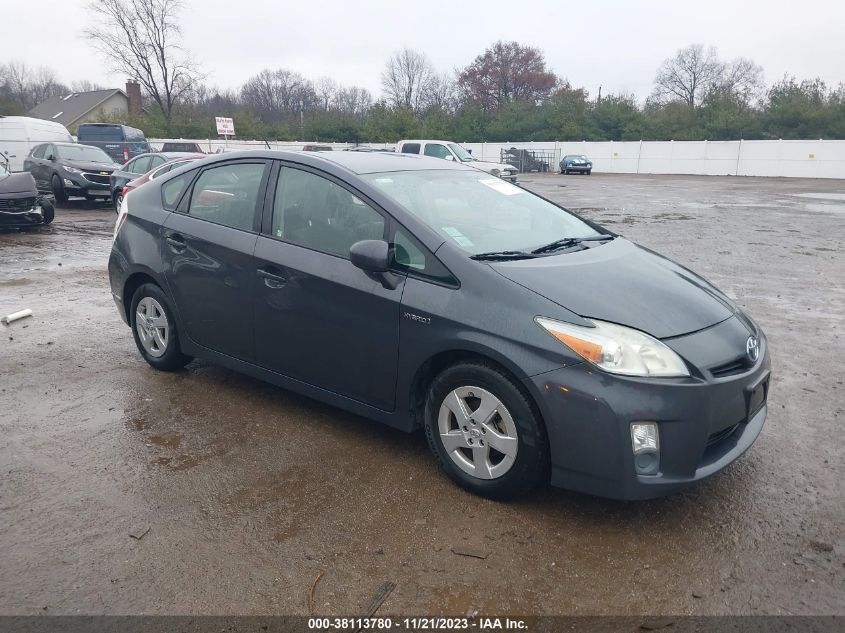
(249, 492)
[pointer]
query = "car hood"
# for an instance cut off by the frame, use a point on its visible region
(21, 182)
(624, 283)
(90, 166)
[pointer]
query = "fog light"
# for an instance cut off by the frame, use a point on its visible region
(68, 183)
(645, 442)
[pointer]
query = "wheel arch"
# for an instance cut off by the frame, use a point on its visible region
(438, 362)
(132, 283)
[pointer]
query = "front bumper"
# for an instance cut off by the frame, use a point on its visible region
(576, 167)
(511, 178)
(20, 211)
(86, 184)
(704, 425)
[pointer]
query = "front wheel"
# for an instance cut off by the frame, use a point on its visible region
(484, 432)
(154, 329)
(118, 200)
(58, 189)
(589, 172)
(48, 212)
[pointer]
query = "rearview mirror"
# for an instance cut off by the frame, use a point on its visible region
(371, 256)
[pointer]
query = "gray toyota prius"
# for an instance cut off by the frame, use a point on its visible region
(530, 344)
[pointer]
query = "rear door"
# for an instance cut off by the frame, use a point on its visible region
(318, 318)
(208, 251)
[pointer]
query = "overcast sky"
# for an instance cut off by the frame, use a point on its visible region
(615, 43)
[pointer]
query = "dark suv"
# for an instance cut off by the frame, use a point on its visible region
(70, 169)
(121, 142)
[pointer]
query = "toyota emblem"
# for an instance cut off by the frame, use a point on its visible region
(752, 348)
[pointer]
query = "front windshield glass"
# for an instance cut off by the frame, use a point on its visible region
(478, 212)
(461, 153)
(83, 152)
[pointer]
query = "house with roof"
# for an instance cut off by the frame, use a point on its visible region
(83, 107)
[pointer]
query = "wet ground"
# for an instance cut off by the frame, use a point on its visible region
(243, 493)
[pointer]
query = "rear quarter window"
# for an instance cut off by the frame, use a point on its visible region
(410, 148)
(172, 190)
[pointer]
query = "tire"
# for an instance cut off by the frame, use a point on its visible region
(589, 172)
(48, 212)
(523, 461)
(158, 345)
(117, 199)
(58, 189)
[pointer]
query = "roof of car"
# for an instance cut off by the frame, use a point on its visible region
(356, 162)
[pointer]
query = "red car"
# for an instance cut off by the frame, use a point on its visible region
(155, 173)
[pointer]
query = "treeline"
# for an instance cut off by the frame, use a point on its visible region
(507, 93)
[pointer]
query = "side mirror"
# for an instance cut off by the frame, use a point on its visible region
(371, 256)
(449, 157)
(50, 157)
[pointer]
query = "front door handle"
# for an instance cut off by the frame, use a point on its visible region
(176, 241)
(272, 278)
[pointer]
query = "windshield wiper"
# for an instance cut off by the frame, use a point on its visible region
(566, 242)
(499, 256)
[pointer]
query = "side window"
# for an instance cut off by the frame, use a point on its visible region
(412, 257)
(411, 148)
(436, 150)
(141, 165)
(314, 212)
(49, 151)
(227, 194)
(38, 151)
(172, 190)
(155, 161)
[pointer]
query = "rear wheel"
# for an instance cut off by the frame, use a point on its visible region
(589, 172)
(484, 433)
(117, 199)
(58, 189)
(154, 329)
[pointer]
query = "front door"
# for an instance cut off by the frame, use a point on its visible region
(318, 318)
(208, 251)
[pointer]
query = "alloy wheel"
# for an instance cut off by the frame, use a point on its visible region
(478, 432)
(152, 326)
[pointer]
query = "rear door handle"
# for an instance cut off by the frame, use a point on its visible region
(176, 241)
(272, 278)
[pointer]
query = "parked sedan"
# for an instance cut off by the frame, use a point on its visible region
(576, 164)
(427, 294)
(139, 166)
(70, 169)
(153, 174)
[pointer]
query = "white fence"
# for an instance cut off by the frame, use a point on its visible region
(805, 159)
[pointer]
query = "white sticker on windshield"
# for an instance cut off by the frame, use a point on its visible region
(501, 186)
(459, 237)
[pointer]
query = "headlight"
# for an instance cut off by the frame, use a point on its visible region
(617, 349)
(72, 170)
(495, 172)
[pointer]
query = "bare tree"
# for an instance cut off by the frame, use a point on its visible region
(743, 79)
(273, 93)
(27, 86)
(689, 75)
(85, 85)
(139, 38)
(353, 100)
(405, 78)
(441, 91)
(327, 90)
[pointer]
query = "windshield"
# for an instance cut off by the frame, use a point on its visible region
(83, 152)
(581, 156)
(461, 153)
(480, 213)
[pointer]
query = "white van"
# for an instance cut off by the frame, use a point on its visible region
(453, 151)
(19, 134)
